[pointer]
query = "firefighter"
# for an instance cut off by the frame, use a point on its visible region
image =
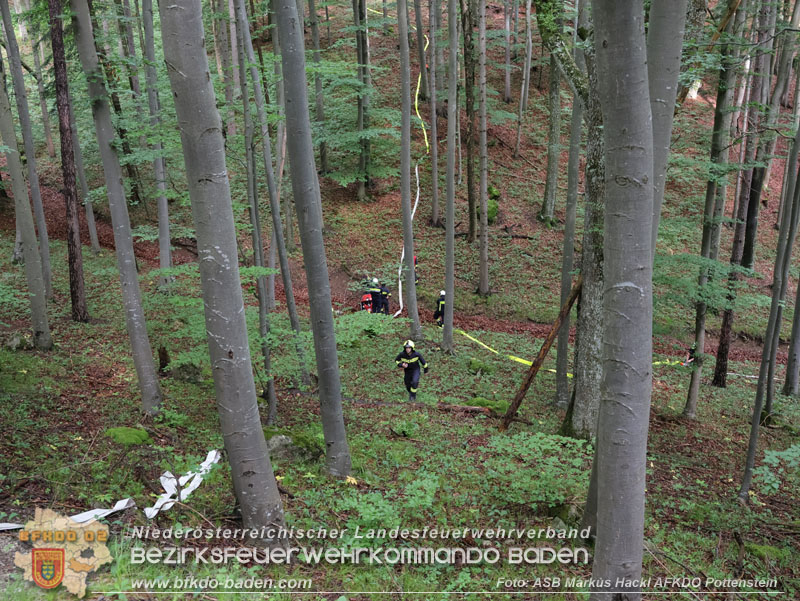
(416, 277)
(438, 314)
(375, 290)
(411, 361)
(385, 294)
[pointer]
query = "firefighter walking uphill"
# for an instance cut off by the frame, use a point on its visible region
(411, 361)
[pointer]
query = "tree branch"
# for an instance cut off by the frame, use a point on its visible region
(558, 46)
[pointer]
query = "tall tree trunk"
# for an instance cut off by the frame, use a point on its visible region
(664, 43)
(234, 46)
(159, 162)
(423, 63)
(434, 77)
(766, 144)
(526, 77)
(359, 15)
(780, 274)
(48, 135)
(450, 213)
(547, 214)
(507, 39)
(715, 202)
(21, 98)
(126, 260)
(224, 50)
(274, 204)
(305, 189)
(441, 68)
(405, 168)
(628, 302)
(255, 220)
(36, 45)
(468, 30)
(483, 269)
(87, 202)
(30, 251)
(113, 81)
(568, 255)
(749, 191)
(318, 95)
(588, 338)
(77, 289)
(203, 150)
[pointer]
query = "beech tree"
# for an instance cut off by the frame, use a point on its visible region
(21, 97)
(33, 266)
(159, 163)
(206, 174)
(405, 168)
(450, 212)
(483, 262)
(619, 42)
(305, 189)
(126, 260)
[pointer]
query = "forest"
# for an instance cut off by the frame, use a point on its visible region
(399, 299)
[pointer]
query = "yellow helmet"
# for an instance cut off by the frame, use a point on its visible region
(408, 343)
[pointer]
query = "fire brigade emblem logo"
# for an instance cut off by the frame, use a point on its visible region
(48, 567)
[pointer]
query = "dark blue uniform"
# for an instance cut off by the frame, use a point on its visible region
(438, 314)
(414, 362)
(385, 294)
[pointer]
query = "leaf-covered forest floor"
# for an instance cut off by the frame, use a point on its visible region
(415, 466)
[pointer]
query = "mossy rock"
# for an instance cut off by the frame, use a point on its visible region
(492, 208)
(128, 436)
(476, 366)
(310, 442)
(766, 552)
(497, 406)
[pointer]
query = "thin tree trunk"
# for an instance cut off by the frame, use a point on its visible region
(441, 67)
(762, 157)
(483, 269)
(30, 251)
(628, 302)
(48, 135)
(318, 95)
(126, 260)
(780, 273)
(450, 213)
(589, 331)
(203, 148)
(434, 76)
(21, 98)
(507, 40)
(714, 204)
(526, 77)
(224, 49)
(567, 260)
(234, 46)
(277, 228)
(664, 44)
(547, 214)
(77, 288)
(255, 220)
(305, 189)
(217, 42)
(423, 63)
(159, 162)
(87, 202)
(405, 168)
(468, 30)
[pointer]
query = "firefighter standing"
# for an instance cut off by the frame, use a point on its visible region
(411, 361)
(438, 314)
(385, 294)
(375, 290)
